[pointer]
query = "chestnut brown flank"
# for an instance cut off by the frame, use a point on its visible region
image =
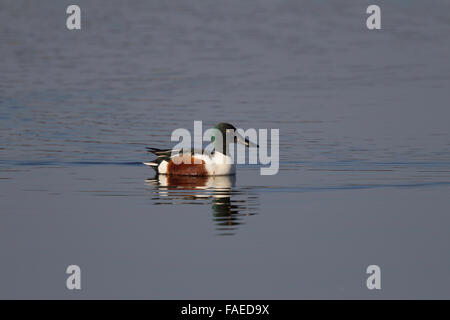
(188, 169)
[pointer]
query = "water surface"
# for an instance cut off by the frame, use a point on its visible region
(364, 149)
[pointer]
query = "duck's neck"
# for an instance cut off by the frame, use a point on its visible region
(221, 147)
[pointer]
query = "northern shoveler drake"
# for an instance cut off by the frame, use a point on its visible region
(198, 163)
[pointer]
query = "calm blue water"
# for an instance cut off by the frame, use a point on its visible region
(364, 149)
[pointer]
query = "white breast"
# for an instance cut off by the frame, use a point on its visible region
(218, 164)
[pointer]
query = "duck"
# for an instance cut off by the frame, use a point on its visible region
(193, 162)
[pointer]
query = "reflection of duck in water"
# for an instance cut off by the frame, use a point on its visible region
(229, 206)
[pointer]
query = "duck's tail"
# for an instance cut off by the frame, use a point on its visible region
(151, 164)
(162, 154)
